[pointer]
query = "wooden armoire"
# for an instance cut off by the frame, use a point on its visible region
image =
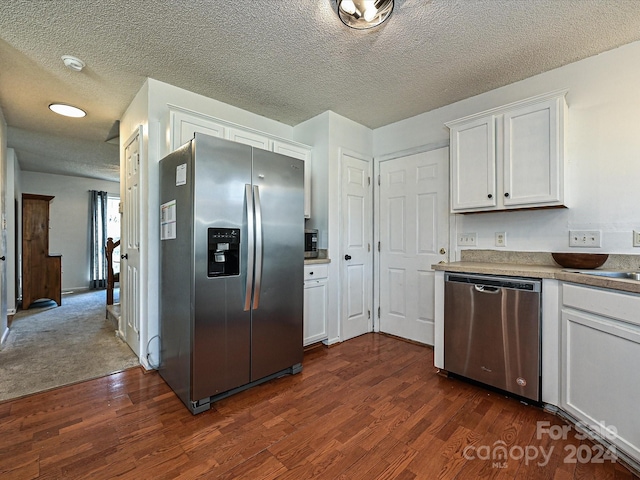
(41, 272)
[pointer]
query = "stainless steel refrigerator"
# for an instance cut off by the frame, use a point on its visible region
(232, 254)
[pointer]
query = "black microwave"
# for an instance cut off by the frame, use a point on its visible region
(310, 243)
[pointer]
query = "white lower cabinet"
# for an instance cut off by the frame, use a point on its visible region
(600, 356)
(315, 303)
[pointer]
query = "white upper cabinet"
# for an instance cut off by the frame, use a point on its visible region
(185, 123)
(249, 138)
(473, 164)
(509, 157)
(301, 152)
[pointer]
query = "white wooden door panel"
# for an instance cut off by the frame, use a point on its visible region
(129, 327)
(356, 256)
(414, 227)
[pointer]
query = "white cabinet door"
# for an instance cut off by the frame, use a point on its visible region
(533, 155)
(509, 157)
(303, 153)
(473, 164)
(185, 125)
(600, 358)
(315, 304)
(249, 138)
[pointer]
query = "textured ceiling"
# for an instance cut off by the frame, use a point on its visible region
(286, 60)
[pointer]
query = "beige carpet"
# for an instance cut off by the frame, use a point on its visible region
(50, 346)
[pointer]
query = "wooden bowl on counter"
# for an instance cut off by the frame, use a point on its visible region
(580, 260)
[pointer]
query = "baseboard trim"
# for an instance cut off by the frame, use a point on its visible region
(69, 290)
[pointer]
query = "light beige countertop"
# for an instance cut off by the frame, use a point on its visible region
(540, 271)
(323, 257)
(315, 261)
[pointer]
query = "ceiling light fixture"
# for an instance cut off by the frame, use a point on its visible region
(73, 63)
(363, 14)
(67, 110)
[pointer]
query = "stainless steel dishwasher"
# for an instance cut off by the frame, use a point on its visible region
(492, 331)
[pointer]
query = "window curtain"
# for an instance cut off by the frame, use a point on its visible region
(98, 239)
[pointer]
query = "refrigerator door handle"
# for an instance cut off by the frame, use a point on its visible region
(258, 274)
(250, 247)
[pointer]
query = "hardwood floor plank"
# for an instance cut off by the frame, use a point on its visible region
(370, 408)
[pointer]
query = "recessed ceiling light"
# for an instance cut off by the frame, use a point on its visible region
(73, 63)
(67, 110)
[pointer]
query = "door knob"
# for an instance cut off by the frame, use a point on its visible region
(125, 256)
(443, 251)
(3, 258)
(347, 257)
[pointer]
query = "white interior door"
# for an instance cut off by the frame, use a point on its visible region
(414, 234)
(356, 256)
(130, 245)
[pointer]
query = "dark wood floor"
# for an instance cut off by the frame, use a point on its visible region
(369, 408)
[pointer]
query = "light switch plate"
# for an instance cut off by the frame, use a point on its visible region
(584, 238)
(636, 238)
(467, 239)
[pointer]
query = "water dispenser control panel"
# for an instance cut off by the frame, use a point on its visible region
(223, 252)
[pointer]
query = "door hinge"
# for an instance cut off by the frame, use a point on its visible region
(378, 180)
(378, 312)
(369, 180)
(368, 247)
(368, 313)
(378, 246)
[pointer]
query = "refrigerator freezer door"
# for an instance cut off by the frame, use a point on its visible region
(276, 342)
(176, 275)
(221, 328)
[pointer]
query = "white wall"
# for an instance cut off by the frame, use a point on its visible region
(13, 169)
(3, 229)
(69, 220)
(602, 151)
(331, 134)
(315, 132)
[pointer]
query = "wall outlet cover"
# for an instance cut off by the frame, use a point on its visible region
(501, 239)
(584, 238)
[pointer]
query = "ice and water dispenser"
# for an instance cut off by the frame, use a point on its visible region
(224, 252)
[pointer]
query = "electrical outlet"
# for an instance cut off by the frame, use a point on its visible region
(584, 238)
(501, 239)
(636, 238)
(467, 239)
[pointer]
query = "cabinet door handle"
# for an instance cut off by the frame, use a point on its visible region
(506, 194)
(3, 258)
(310, 273)
(125, 256)
(490, 196)
(347, 257)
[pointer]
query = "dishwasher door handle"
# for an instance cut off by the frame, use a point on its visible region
(486, 289)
